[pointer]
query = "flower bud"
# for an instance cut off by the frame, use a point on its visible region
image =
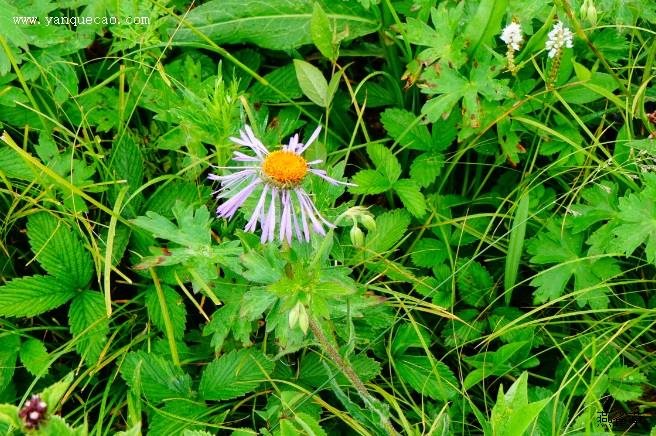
(357, 236)
(368, 221)
(589, 12)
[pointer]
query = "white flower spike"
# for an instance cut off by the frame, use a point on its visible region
(559, 37)
(512, 35)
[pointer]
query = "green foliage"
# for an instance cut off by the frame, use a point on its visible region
(156, 377)
(234, 374)
(499, 217)
(513, 414)
(59, 251)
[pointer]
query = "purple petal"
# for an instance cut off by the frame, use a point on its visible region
(306, 230)
(293, 143)
(270, 221)
(251, 225)
(313, 138)
(326, 177)
(228, 209)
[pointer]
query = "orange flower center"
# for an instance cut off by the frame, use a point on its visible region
(285, 167)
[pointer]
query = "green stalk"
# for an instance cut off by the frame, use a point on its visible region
(348, 371)
(168, 326)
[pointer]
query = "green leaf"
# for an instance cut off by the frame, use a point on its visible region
(429, 252)
(370, 182)
(56, 426)
(283, 79)
(9, 347)
(31, 296)
(53, 394)
(58, 250)
(179, 417)
(390, 228)
(175, 305)
(600, 205)
(312, 82)
(626, 383)
(386, 163)
(637, 221)
(485, 24)
(13, 165)
(322, 33)
(155, 376)
(275, 24)
(475, 284)
(425, 168)
(35, 357)
(411, 197)
(404, 128)
(450, 86)
(427, 376)
(498, 363)
(168, 195)
(443, 39)
(515, 245)
(262, 268)
(87, 311)
(234, 374)
(512, 414)
(558, 246)
(410, 336)
(9, 415)
(313, 371)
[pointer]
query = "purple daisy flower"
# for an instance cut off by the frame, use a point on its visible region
(280, 173)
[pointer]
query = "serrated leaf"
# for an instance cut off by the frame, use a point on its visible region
(9, 415)
(13, 165)
(58, 250)
(410, 336)
(176, 308)
(192, 229)
(234, 374)
(276, 24)
(425, 168)
(9, 348)
(155, 376)
(386, 163)
(427, 376)
(35, 357)
(56, 426)
(312, 82)
(31, 296)
(87, 311)
(313, 371)
(369, 182)
(411, 197)
(168, 195)
(178, 417)
(53, 394)
(390, 228)
(475, 284)
(558, 246)
(429, 252)
(637, 221)
(397, 122)
(625, 384)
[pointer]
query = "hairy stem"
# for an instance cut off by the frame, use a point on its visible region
(348, 371)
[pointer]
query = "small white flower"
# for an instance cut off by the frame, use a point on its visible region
(559, 37)
(512, 35)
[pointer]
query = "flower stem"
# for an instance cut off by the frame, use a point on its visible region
(348, 371)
